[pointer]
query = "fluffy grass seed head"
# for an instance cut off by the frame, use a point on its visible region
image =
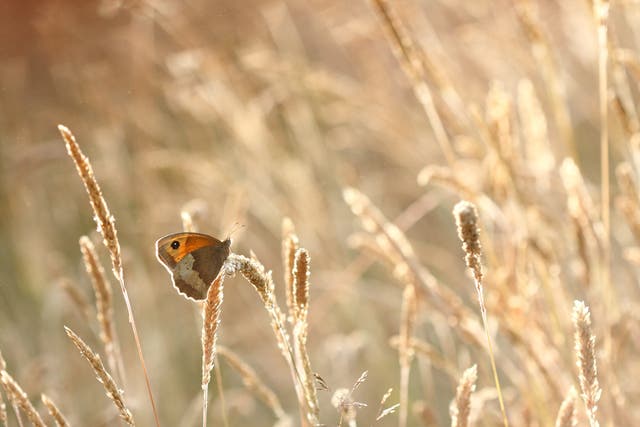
(461, 406)
(104, 220)
(466, 217)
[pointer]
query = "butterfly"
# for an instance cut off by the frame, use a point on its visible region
(193, 260)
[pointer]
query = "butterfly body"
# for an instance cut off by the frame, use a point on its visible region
(193, 260)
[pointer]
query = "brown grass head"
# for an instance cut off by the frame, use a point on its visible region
(106, 226)
(254, 272)
(290, 244)
(466, 217)
(301, 285)
(20, 399)
(585, 343)
(102, 215)
(104, 302)
(55, 413)
(461, 407)
(112, 390)
(211, 312)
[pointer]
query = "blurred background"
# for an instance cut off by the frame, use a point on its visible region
(250, 111)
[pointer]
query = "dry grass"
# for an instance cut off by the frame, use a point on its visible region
(461, 406)
(113, 392)
(106, 227)
(567, 412)
(337, 137)
(19, 399)
(211, 311)
(55, 413)
(467, 222)
(586, 360)
(253, 382)
(104, 305)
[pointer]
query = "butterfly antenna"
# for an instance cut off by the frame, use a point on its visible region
(235, 227)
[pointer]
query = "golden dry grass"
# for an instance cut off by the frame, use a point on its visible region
(339, 136)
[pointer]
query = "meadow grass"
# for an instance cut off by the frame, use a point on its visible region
(371, 137)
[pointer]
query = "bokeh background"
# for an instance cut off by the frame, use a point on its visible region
(250, 111)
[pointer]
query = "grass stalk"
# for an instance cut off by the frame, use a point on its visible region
(106, 226)
(466, 217)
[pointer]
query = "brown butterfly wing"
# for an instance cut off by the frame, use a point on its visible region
(194, 261)
(197, 270)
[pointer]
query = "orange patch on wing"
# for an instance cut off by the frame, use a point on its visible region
(189, 242)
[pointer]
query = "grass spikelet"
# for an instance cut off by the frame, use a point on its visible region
(342, 400)
(104, 305)
(20, 399)
(112, 390)
(301, 271)
(382, 411)
(55, 413)
(211, 319)
(211, 311)
(405, 349)
(466, 217)
(103, 217)
(252, 382)
(290, 245)
(106, 227)
(261, 280)
(567, 412)
(301, 285)
(461, 407)
(585, 343)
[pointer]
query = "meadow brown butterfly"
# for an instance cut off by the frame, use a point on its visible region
(193, 260)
